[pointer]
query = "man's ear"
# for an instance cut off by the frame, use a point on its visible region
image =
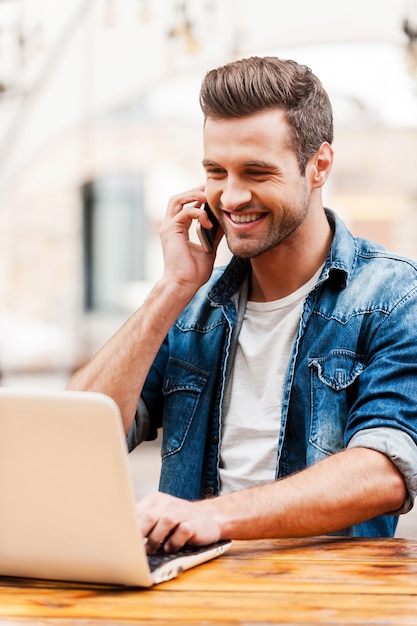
(321, 165)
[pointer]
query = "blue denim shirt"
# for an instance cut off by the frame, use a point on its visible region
(352, 377)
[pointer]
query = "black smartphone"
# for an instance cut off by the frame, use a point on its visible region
(207, 235)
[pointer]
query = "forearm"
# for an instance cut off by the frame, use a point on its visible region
(340, 491)
(120, 368)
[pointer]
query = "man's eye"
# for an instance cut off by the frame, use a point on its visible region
(268, 172)
(258, 173)
(215, 172)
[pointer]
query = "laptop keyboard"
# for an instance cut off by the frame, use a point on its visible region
(160, 557)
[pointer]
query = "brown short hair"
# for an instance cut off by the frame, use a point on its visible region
(251, 85)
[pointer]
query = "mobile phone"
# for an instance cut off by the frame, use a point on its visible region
(207, 235)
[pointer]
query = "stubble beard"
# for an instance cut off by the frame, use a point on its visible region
(282, 226)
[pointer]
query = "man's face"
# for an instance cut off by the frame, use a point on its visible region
(254, 185)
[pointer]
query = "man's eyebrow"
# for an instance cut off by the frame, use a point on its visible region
(260, 164)
(207, 163)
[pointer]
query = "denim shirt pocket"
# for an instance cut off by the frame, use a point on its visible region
(331, 378)
(182, 389)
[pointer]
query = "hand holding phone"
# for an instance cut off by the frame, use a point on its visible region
(207, 235)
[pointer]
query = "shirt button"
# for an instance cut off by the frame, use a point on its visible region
(214, 439)
(209, 491)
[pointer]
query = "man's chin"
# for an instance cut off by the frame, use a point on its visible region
(247, 249)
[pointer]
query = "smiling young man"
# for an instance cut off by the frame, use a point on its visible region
(285, 383)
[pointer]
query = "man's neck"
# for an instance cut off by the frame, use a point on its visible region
(285, 268)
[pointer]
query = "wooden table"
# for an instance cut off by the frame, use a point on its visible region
(302, 581)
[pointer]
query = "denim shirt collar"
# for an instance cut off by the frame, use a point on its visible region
(342, 256)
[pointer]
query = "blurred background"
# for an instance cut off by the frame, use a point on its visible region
(100, 124)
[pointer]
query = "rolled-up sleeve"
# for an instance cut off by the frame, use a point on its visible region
(140, 429)
(397, 446)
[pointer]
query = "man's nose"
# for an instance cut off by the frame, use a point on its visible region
(234, 195)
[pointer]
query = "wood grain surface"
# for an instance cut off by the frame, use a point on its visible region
(293, 581)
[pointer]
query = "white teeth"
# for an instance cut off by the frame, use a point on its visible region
(241, 219)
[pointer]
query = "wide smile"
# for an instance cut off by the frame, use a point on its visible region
(245, 218)
(244, 222)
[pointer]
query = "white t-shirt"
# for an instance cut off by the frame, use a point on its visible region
(251, 418)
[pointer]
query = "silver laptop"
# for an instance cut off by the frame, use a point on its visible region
(67, 509)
